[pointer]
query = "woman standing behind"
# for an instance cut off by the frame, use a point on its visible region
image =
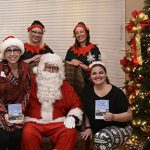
(107, 109)
(82, 53)
(14, 89)
(35, 46)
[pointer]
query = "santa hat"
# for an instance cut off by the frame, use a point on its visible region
(38, 24)
(52, 59)
(10, 41)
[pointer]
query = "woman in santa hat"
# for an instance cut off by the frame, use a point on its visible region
(35, 47)
(14, 89)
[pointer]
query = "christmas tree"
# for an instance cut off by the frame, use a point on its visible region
(136, 65)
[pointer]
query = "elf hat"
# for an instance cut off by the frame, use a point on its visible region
(38, 24)
(10, 41)
(81, 24)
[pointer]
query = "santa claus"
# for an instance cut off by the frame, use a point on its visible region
(54, 109)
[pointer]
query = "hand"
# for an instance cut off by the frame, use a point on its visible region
(108, 116)
(69, 122)
(86, 133)
(36, 57)
(76, 62)
(69, 62)
(6, 117)
(83, 66)
(7, 120)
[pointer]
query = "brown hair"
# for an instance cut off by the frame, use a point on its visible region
(77, 44)
(100, 65)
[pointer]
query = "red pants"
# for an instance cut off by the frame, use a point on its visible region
(33, 134)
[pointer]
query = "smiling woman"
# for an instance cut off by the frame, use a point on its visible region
(35, 46)
(14, 90)
(12, 55)
(107, 110)
(83, 52)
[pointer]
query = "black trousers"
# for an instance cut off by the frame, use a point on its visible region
(10, 140)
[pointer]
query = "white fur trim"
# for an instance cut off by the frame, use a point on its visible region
(34, 70)
(11, 42)
(53, 59)
(29, 119)
(76, 112)
(96, 63)
(46, 111)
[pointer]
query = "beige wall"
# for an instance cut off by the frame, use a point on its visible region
(131, 5)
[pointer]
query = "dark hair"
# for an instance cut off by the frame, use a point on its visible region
(107, 79)
(37, 22)
(77, 44)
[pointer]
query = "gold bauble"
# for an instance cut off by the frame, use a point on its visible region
(148, 51)
(138, 85)
(127, 69)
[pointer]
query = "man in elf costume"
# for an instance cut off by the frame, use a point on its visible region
(54, 108)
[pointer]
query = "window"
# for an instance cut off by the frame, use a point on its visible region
(104, 18)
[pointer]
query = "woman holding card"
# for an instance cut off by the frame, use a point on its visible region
(14, 90)
(107, 109)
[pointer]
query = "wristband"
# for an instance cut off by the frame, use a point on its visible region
(87, 128)
(75, 117)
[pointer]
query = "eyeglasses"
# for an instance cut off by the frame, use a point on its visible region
(51, 68)
(14, 51)
(35, 32)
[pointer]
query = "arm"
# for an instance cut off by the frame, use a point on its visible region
(84, 67)
(123, 112)
(121, 117)
(74, 106)
(33, 59)
(87, 132)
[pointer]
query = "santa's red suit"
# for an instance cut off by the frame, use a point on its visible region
(45, 119)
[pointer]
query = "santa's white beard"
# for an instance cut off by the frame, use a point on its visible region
(49, 87)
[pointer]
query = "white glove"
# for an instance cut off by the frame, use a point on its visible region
(69, 122)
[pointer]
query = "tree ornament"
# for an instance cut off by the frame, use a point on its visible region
(130, 88)
(138, 85)
(127, 69)
(146, 128)
(138, 21)
(148, 51)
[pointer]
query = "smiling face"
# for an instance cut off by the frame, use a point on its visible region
(98, 75)
(80, 35)
(36, 35)
(12, 54)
